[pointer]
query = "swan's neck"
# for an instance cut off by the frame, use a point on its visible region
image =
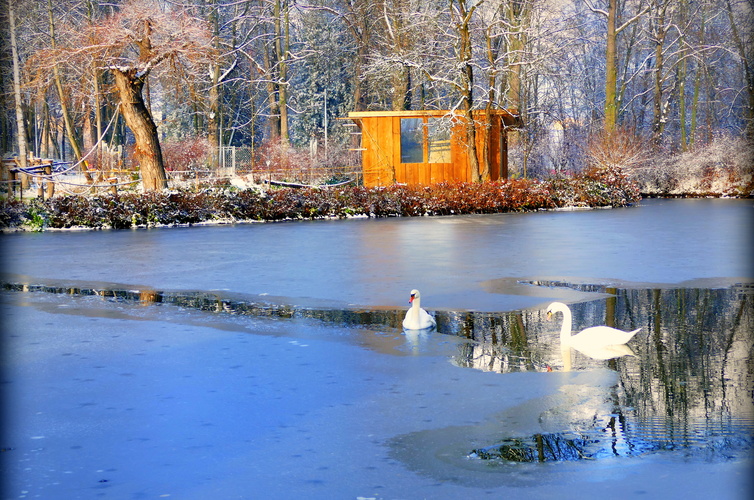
(565, 330)
(414, 310)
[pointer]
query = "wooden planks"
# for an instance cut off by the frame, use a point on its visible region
(381, 143)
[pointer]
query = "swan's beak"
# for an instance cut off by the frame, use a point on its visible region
(411, 299)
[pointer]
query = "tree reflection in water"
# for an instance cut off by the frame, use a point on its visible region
(538, 448)
(688, 386)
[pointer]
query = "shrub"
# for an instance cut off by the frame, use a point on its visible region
(725, 167)
(12, 213)
(596, 187)
(620, 148)
(186, 154)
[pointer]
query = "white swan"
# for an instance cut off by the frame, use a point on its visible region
(591, 338)
(416, 317)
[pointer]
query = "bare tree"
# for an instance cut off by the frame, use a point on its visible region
(611, 56)
(21, 132)
(744, 45)
(462, 12)
(67, 119)
(131, 43)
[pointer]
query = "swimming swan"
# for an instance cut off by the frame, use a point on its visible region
(416, 317)
(590, 338)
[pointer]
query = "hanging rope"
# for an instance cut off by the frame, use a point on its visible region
(83, 158)
(87, 186)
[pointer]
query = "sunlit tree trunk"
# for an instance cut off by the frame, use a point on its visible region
(23, 147)
(139, 120)
(67, 120)
(273, 122)
(660, 113)
(394, 15)
(492, 53)
(213, 116)
(401, 95)
(611, 58)
(282, 42)
(516, 16)
(466, 84)
(611, 69)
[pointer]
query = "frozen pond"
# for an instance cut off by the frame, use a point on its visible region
(267, 360)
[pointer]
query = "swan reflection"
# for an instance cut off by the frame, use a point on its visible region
(416, 340)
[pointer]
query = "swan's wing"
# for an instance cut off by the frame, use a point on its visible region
(602, 336)
(606, 352)
(426, 318)
(419, 321)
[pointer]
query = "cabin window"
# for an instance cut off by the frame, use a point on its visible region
(412, 140)
(424, 140)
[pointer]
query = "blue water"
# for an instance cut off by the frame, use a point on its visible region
(113, 397)
(377, 262)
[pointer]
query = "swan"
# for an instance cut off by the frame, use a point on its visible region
(591, 338)
(416, 317)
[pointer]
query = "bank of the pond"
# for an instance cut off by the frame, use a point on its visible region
(122, 211)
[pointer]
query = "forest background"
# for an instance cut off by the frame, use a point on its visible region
(666, 85)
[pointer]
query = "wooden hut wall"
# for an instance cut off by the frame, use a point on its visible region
(377, 158)
(381, 158)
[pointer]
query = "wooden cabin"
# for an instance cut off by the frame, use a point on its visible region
(426, 147)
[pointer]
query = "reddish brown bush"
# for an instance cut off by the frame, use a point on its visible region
(599, 187)
(186, 154)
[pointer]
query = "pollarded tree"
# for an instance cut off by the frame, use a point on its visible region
(131, 42)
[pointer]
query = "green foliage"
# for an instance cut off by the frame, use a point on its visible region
(37, 218)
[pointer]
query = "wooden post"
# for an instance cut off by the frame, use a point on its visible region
(50, 182)
(40, 188)
(21, 176)
(7, 177)
(12, 181)
(114, 187)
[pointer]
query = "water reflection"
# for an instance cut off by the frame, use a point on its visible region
(685, 382)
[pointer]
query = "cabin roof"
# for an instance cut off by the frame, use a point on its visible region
(510, 117)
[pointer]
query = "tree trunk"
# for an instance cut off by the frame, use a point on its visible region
(282, 44)
(140, 121)
(611, 77)
(273, 122)
(69, 126)
(401, 98)
(23, 147)
(658, 123)
(467, 88)
(748, 71)
(682, 74)
(699, 69)
(213, 128)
